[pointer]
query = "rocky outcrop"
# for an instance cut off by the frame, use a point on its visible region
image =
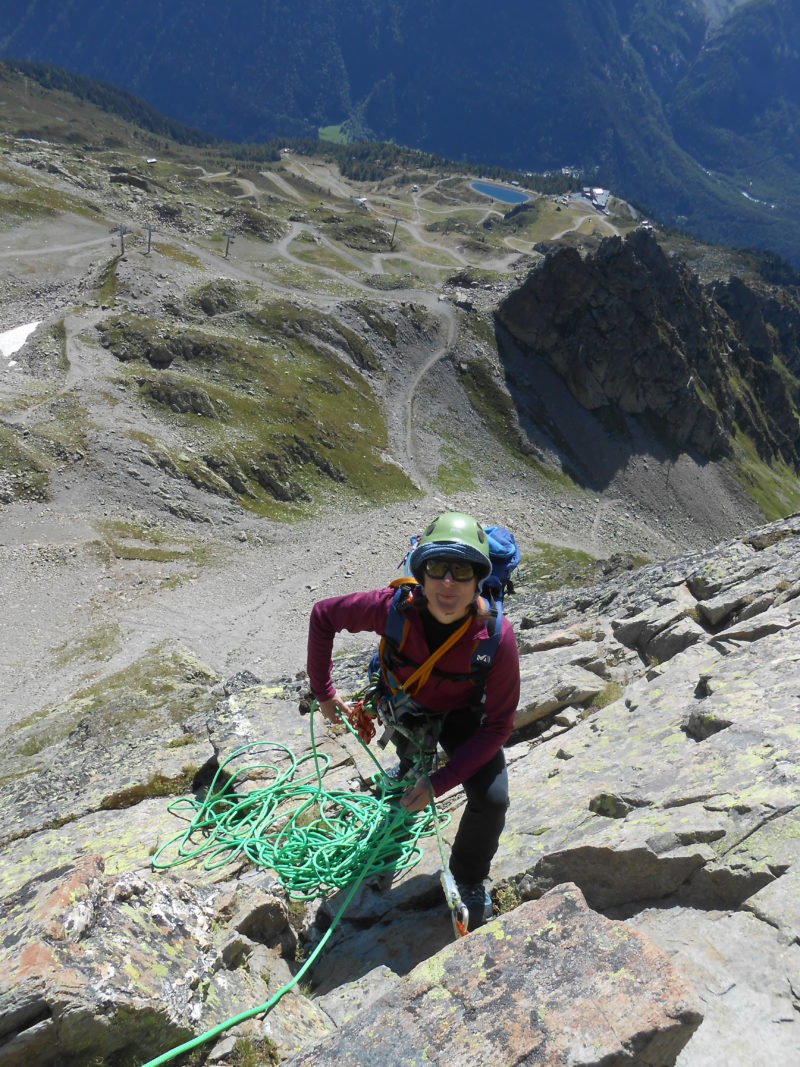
(124, 177)
(114, 969)
(632, 330)
(552, 982)
(647, 876)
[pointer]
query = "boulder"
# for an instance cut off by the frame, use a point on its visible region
(97, 968)
(550, 982)
(548, 686)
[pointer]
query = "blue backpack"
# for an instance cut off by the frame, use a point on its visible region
(505, 556)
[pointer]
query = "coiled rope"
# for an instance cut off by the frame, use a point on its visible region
(316, 840)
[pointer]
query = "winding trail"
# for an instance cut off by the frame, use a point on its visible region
(239, 589)
(451, 326)
(48, 250)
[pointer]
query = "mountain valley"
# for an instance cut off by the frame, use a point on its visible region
(687, 108)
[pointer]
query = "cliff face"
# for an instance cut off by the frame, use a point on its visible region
(632, 329)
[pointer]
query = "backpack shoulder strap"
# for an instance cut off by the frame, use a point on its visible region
(396, 621)
(396, 632)
(397, 626)
(485, 648)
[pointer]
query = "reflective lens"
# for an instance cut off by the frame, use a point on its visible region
(460, 570)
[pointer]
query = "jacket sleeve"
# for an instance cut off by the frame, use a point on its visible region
(356, 612)
(500, 705)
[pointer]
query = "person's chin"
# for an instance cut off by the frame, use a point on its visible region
(447, 612)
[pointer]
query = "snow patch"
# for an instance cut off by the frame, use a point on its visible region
(12, 340)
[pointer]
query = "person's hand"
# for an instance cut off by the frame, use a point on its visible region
(418, 796)
(332, 707)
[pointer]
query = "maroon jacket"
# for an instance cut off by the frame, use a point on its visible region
(360, 612)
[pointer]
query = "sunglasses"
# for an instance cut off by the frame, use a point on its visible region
(460, 570)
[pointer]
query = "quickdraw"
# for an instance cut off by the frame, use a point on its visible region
(459, 913)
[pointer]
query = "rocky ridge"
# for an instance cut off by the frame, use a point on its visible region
(654, 776)
(634, 332)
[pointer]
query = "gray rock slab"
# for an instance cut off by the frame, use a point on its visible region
(639, 630)
(783, 617)
(348, 999)
(551, 982)
(542, 642)
(125, 840)
(743, 975)
(696, 802)
(547, 686)
(673, 639)
(779, 905)
(776, 842)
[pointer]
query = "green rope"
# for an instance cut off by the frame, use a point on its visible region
(316, 840)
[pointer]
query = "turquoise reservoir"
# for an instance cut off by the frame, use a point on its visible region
(499, 192)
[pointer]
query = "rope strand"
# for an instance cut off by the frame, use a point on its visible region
(316, 840)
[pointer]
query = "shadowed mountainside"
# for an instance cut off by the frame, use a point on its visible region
(632, 332)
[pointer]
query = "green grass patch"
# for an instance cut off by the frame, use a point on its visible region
(276, 416)
(406, 274)
(309, 327)
(482, 329)
(148, 542)
(24, 201)
(455, 474)
(254, 1052)
(608, 694)
(434, 257)
(99, 643)
(359, 231)
(456, 222)
(158, 785)
(377, 322)
(106, 295)
(520, 222)
(181, 742)
(496, 408)
(550, 221)
(62, 430)
(332, 134)
(304, 278)
(506, 898)
(179, 255)
(163, 687)
(550, 567)
(774, 487)
(59, 333)
(222, 295)
(24, 469)
(492, 402)
(322, 256)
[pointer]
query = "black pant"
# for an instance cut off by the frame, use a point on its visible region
(487, 801)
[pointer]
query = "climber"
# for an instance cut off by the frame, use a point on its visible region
(465, 696)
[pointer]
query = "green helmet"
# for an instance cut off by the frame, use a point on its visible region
(454, 536)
